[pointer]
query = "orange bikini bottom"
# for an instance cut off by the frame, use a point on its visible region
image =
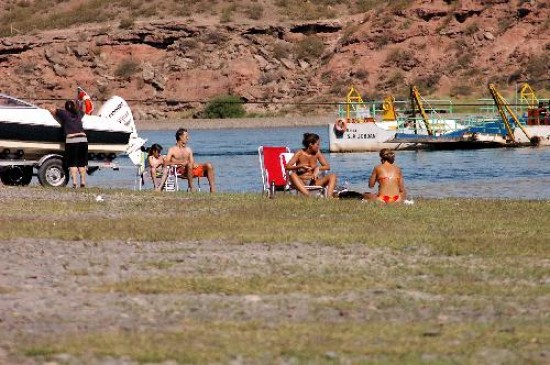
(388, 198)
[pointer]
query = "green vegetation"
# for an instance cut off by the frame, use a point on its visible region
(41, 15)
(225, 106)
(451, 280)
(25, 16)
(451, 227)
(373, 342)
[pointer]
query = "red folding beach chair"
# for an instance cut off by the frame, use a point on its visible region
(273, 178)
(274, 175)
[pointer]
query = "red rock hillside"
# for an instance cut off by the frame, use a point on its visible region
(170, 65)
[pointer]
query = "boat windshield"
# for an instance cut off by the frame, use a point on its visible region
(9, 102)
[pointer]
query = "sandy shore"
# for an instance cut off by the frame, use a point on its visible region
(168, 124)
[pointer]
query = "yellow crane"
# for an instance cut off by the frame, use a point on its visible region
(416, 101)
(527, 94)
(503, 107)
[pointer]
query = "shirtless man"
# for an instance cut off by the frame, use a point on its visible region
(182, 156)
(307, 163)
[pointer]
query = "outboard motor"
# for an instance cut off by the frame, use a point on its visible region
(117, 109)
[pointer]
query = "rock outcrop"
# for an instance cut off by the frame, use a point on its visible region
(170, 68)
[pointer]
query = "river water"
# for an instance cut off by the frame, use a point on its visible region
(522, 173)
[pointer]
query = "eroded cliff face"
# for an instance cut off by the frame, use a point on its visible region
(170, 66)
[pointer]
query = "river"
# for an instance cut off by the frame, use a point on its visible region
(517, 173)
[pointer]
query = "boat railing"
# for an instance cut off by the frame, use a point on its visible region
(367, 109)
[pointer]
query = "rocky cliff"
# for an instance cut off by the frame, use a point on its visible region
(169, 68)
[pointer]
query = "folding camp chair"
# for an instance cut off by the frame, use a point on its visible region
(284, 158)
(139, 178)
(172, 184)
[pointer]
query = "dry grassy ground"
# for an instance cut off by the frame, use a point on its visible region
(194, 278)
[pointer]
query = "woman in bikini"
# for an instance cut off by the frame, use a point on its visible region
(391, 188)
(306, 165)
(156, 164)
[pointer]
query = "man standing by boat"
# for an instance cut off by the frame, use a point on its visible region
(76, 143)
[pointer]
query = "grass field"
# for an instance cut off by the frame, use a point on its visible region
(236, 278)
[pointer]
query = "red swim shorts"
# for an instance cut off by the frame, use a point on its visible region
(198, 171)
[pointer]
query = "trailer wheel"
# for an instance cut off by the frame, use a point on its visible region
(16, 175)
(52, 173)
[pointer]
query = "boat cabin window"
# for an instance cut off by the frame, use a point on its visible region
(9, 102)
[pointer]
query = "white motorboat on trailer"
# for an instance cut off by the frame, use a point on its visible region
(30, 136)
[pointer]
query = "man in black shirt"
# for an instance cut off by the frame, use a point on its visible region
(76, 143)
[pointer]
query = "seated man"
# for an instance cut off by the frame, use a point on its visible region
(181, 155)
(306, 165)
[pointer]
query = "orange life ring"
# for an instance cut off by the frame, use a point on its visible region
(340, 126)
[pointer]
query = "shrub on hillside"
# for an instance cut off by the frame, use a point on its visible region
(399, 57)
(427, 84)
(126, 23)
(225, 106)
(255, 11)
(309, 48)
(381, 40)
(471, 29)
(227, 13)
(127, 68)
